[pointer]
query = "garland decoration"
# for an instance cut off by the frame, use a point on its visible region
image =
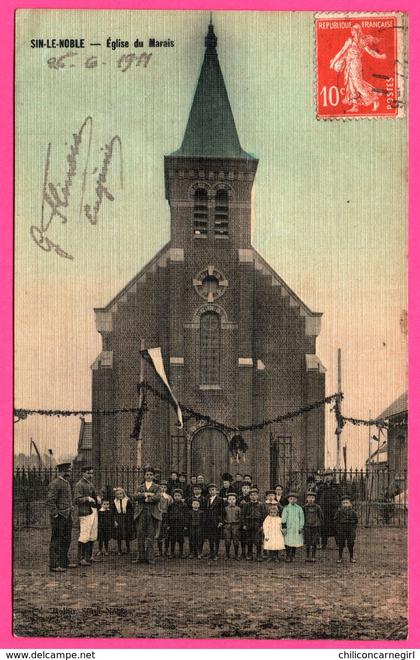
(189, 413)
(22, 413)
(237, 447)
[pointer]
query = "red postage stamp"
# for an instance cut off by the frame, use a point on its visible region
(359, 65)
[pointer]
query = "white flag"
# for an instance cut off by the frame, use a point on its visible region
(155, 355)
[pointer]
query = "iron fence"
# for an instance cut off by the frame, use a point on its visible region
(379, 496)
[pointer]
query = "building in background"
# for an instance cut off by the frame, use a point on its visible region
(397, 437)
(84, 445)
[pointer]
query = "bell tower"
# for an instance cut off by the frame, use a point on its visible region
(209, 179)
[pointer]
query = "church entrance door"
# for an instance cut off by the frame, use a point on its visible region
(209, 454)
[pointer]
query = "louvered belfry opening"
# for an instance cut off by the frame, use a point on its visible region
(200, 212)
(221, 214)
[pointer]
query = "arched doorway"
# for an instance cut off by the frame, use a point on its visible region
(209, 454)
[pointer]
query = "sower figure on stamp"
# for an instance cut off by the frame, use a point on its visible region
(147, 516)
(358, 91)
(87, 502)
(59, 502)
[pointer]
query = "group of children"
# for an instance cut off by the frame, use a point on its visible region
(253, 529)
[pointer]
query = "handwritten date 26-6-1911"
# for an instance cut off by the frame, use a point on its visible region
(56, 198)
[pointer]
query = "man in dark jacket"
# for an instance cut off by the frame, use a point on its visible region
(147, 516)
(329, 501)
(214, 521)
(60, 505)
(87, 503)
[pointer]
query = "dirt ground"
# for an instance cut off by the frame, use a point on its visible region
(225, 599)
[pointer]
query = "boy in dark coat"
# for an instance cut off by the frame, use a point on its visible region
(214, 521)
(313, 523)
(197, 495)
(177, 521)
(346, 522)
(225, 490)
(241, 501)
(173, 482)
(123, 519)
(253, 514)
(195, 524)
(329, 501)
(232, 525)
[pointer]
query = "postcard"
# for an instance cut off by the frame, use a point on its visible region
(210, 309)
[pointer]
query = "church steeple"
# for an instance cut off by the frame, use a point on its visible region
(211, 129)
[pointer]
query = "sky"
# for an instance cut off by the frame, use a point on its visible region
(329, 208)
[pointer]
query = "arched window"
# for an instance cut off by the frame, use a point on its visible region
(210, 349)
(200, 227)
(221, 214)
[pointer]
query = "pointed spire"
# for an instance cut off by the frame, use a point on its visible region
(211, 129)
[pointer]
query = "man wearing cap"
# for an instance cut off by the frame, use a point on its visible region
(214, 521)
(87, 503)
(59, 502)
(329, 501)
(147, 516)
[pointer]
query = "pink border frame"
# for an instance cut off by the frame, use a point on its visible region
(7, 9)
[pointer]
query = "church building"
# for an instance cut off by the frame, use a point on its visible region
(238, 344)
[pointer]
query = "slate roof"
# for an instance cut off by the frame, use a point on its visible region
(398, 406)
(85, 435)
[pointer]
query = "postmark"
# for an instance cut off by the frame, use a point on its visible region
(359, 65)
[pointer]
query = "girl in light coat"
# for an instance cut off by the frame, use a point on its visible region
(273, 536)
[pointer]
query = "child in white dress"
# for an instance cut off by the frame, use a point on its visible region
(273, 536)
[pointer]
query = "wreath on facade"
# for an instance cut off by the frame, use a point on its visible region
(237, 447)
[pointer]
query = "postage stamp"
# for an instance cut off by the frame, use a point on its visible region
(359, 65)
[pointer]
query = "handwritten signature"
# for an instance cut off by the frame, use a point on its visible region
(56, 198)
